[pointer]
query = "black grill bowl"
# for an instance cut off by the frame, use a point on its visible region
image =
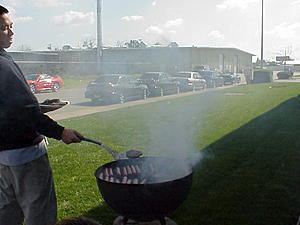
(150, 201)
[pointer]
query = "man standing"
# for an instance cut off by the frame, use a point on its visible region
(26, 183)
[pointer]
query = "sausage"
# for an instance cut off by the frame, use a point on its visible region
(124, 171)
(106, 178)
(135, 181)
(124, 180)
(111, 172)
(118, 171)
(129, 181)
(101, 176)
(137, 168)
(106, 172)
(129, 170)
(133, 169)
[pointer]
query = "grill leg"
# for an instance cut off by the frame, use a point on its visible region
(162, 221)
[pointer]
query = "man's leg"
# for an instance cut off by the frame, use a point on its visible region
(10, 211)
(34, 188)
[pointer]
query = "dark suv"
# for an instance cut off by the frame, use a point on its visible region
(231, 78)
(213, 78)
(285, 75)
(115, 88)
(159, 83)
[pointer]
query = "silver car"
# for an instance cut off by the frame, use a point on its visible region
(190, 81)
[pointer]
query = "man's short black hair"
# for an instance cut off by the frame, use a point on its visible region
(3, 10)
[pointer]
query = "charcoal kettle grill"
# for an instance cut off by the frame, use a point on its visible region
(161, 185)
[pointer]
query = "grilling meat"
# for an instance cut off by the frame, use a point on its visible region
(129, 174)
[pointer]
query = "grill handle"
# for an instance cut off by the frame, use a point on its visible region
(90, 140)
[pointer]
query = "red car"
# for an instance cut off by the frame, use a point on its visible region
(44, 82)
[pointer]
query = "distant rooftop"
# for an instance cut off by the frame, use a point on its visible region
(47, 52)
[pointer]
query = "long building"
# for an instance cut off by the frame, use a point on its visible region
(134, 60)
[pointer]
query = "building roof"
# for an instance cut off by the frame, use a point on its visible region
(160, 48)
(228, 48)
(125, 48)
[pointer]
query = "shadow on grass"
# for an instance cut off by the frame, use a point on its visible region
(251, 176)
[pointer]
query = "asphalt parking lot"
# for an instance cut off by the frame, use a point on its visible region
(80, 106)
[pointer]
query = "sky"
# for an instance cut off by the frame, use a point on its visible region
(211, 23)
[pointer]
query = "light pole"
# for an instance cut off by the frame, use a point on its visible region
(99, 34)
(262, 35)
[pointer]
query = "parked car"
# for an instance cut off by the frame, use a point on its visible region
(189, 81)
(238, 78)
(285, 75)
(43, 82)
(57, 81)
(114, 88)
(159, 83)
(213, 78)
(231, 78)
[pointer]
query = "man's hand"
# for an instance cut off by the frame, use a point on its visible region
(70, 136)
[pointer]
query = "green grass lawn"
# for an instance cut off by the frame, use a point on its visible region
(250, 145)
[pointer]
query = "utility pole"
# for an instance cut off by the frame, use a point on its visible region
(262, 35)
(99, 34)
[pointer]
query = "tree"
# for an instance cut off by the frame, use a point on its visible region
(119, 44)
(173, 45)
(135, 44)
(89, 43)
(66, 47)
